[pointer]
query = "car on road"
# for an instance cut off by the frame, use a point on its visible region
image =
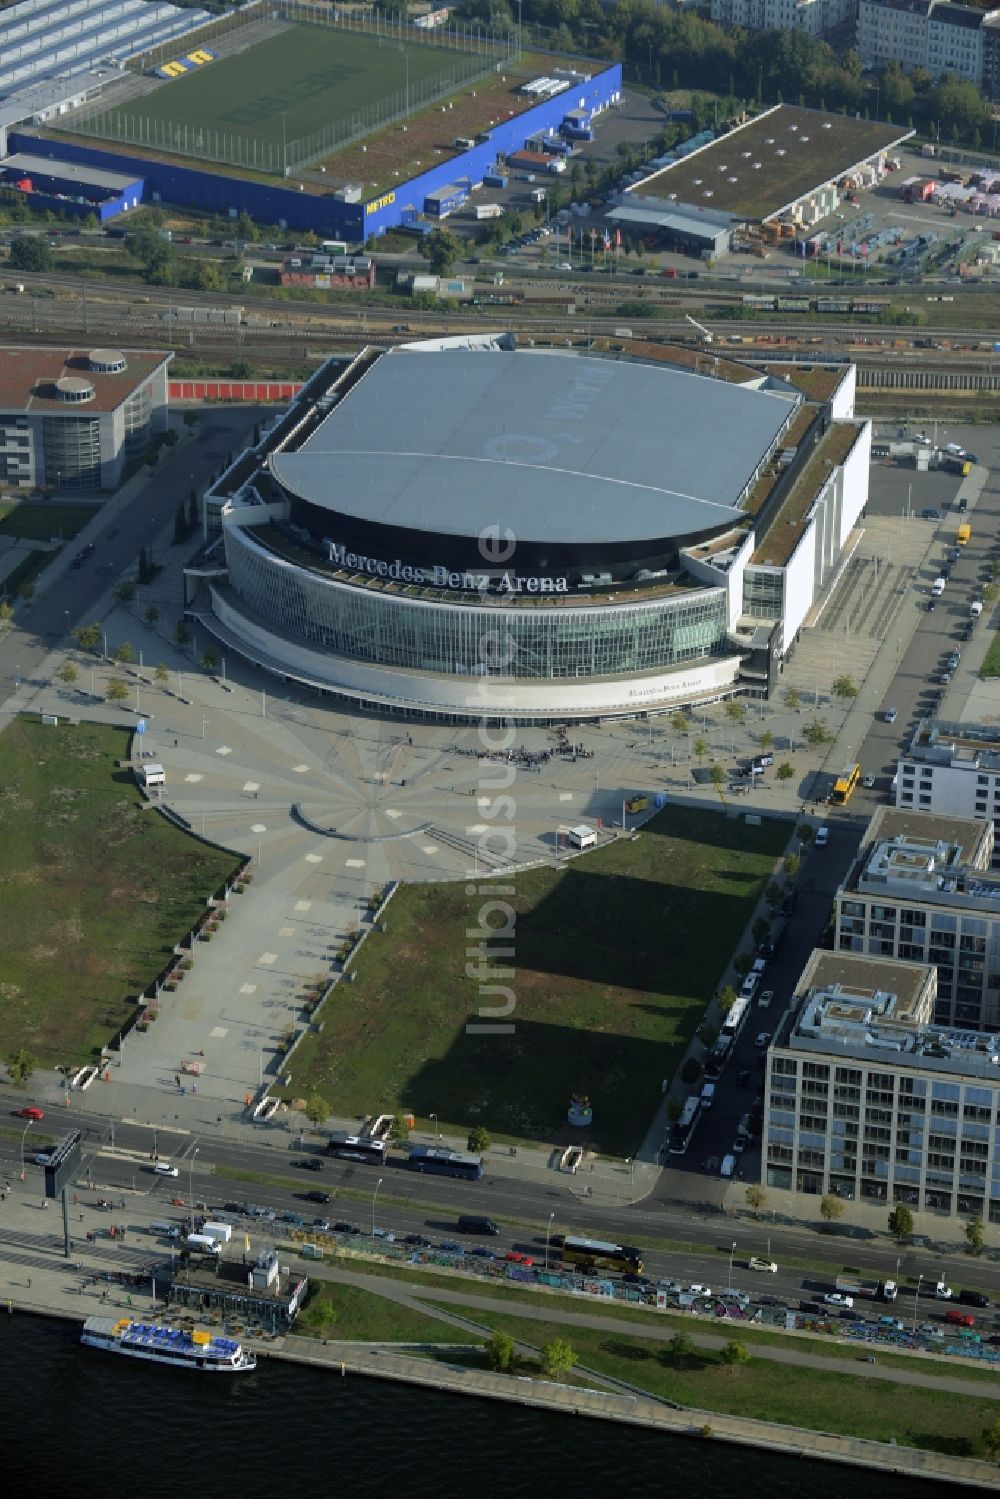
(765, 998)
(482, 1253)
(164, 1168)
(342, 1227)
(973, 1298)
(943, 1292)
(564, 265)
(763, 1039)
(822, 837)
(868, 782)
(756, 1263)
(697, 1289)
(312, 1163)
(318, 1197)
(448, 1247)
(963, 505)
(30, 1112)
(837, 1298)
(931, 514)
(418, 1241)
(517, 1258)
(890, 715)
(323, 1224)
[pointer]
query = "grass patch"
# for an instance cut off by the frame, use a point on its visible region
(83, 935)
(612, 974)
(933, 1419)
(334, 1311)
(44, 522)
(991, 665)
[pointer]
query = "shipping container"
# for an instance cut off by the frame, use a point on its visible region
(494, 179)
(489, 210)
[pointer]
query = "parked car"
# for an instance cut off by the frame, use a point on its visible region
(837, 1298)
(517, 1258)
(447, 1247)
(890, 715)
(418, 1241)
(868, 782)
(765, 998)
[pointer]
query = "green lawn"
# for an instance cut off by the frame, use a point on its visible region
(334, 1311)
(94, 890)
(295, 83)
(614, 960)
(991, 665)
(766, 1391)
(44, 522)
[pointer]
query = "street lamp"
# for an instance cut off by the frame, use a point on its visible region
(731, 1253)
(374, 1198)
(191, 1184)
(548, 1231)
(24, 1134)
(437, 1130)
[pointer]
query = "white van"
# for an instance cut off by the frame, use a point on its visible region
(937, 587)
(707, 1095)
(728, 1165)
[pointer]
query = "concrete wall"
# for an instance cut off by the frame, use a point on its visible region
(274, 203)
(855, 482)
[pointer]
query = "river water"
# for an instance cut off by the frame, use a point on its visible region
(82, 1423)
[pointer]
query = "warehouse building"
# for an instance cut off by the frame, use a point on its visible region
(70, 418)
(868, 1100)
(460, 528)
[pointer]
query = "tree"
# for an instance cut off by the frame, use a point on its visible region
(209, 661)
(681, 1348)
(743, 962)
(792, 865)
(975, 1234)
(765, 739)
(845, 687)
(479, 1140)
(116, 690)
(31, 253)
(500, 1352)
(774, 895)
(679, 722)
(124, 592)
(784, 772)
(674, 1109)
(182, 635)
(152, 614)
(816, 733)
(735, 711)
(793, 698)
(804, 833)
(760, 929)
(20, 1065)
(160, 674)
(756, 1197)
(700, 746)
(734, 1354)
(442, 249)
(67, 673)
(716, 773)
(690, 1070)
(316, 1109)
(900, 1221)
(558, 1358)
(399, 1129)
(87, 637)
(830, 1207)
(124, 654)
(727, 998)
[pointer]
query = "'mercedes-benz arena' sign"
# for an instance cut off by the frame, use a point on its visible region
(442, 577)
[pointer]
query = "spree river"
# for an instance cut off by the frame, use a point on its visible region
(82, 1423)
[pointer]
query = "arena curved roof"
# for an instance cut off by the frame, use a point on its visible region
(554, 447)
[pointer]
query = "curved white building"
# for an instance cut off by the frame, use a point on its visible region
(476, 530)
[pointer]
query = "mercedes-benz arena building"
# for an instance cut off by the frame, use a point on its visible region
(476, 530)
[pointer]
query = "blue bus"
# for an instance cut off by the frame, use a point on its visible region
(441, 1162)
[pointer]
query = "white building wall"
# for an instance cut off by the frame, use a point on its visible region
(800, 573)
(855, 483)
(842, 404)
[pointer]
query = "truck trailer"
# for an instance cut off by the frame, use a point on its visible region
(875, 1290)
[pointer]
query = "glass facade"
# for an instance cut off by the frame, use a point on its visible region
(136, 413)
(72, 451)
(449, 637)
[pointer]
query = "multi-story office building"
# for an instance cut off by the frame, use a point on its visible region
(921, 890)
(953, 770)
(70, 419)
(814, 16)
(868, 1100)
(932, 34)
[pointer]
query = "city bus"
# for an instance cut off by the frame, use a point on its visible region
(736, 1018)
(355, 1148)
(598, 1254)
(683, 1128)
(441, 1162)
(845, 784)
(964, 532)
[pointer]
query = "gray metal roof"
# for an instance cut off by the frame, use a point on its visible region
(555, 447)
(68, 171)
(679, 219)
